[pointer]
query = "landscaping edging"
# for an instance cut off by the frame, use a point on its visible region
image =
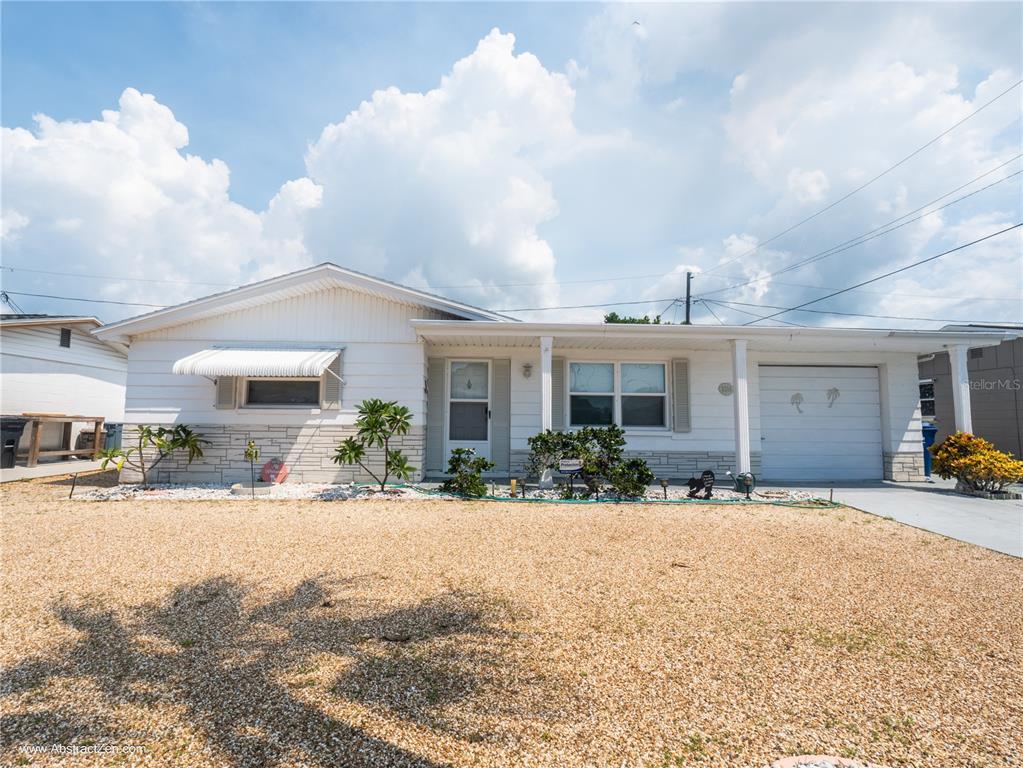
(994, 495)
(362, 491)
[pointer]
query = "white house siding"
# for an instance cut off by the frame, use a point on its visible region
(710, 444)
(382, 358)
(39, 375)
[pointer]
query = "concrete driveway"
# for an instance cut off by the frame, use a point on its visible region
(997, 525)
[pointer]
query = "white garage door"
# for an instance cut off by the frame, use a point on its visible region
(820, 423)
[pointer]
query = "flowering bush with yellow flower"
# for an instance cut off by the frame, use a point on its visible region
(975, 463)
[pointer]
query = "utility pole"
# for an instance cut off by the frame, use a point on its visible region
(689, 280)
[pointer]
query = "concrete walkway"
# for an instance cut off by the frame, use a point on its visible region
(997, 525)
(50, 469)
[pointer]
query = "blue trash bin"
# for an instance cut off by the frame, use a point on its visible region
(930, 432)
(114, 435)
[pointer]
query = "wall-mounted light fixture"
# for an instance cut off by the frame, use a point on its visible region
(527, 370)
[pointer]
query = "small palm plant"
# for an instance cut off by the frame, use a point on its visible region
(252, 456)
(166, 440)
(378, 423)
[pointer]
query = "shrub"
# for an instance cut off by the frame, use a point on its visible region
(600, 451)
(975, 463)
(466, 467)
(378, 423)
(166, 440)
(546, 449)
(631, 478)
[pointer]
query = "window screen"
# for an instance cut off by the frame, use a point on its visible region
(591, 389)
(927, 398)
(283, 392)
(643, 394)
(468, 421)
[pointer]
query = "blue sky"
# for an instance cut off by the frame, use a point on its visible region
(502, 153)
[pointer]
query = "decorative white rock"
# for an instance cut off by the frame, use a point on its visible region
(547, 480)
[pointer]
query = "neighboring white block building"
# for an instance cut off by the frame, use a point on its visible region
(51, 364)
(285, 361)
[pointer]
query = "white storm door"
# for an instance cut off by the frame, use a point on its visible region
(468, 422)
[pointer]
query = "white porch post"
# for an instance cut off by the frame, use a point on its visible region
(546, 396)
(961, 387)
(741, 402)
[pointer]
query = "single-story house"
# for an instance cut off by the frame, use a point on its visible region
(996, 389)
(53, 364)
(285, 361)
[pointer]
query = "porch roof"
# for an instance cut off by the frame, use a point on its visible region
(667, 337)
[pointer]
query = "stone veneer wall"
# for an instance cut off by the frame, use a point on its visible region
(307, 450)
(904, 467)
(680, 465)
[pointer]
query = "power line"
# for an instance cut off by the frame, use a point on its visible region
(111, 277)
(89, 301)
(866, 184)
(584, 306)
(744, 312)
(861, 239)
(956, 297)
(893, 272)
(707, 307)
(847, 314)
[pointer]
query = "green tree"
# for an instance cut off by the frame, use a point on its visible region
(377, 424)
(614, 317)
(165, 440)
(252, 456)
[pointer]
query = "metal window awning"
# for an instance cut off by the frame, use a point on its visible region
(238, 361)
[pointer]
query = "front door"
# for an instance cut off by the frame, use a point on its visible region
(469, 406)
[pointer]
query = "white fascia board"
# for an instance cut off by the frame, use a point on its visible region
(64, 321)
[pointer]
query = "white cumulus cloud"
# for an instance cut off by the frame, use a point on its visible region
(117, 196)
(446, 188)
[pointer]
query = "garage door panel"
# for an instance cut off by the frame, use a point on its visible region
(869, 425)
(820, 440)
(818, 397)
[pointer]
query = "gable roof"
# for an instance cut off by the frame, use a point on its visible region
(304, 281)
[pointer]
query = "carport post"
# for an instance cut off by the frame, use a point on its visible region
(546, 396)
(740, 400)
(961, 387)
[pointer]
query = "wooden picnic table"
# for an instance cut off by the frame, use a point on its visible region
(35, 427)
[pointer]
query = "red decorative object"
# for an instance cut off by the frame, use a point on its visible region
(274, 471)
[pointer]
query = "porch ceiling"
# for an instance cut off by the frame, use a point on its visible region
(674, 337)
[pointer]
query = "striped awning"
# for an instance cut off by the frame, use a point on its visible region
(282, 363)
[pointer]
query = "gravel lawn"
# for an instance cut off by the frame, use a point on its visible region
(439, 632)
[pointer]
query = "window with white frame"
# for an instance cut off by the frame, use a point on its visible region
(282, 393)
(927, 397)
(644, 396)
(628, 394)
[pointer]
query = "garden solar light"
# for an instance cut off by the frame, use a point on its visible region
(664, 485)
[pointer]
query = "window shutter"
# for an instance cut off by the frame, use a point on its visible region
(558, 420)
(680, 421)
(225, 392)
(331, 385)
(436, 369)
